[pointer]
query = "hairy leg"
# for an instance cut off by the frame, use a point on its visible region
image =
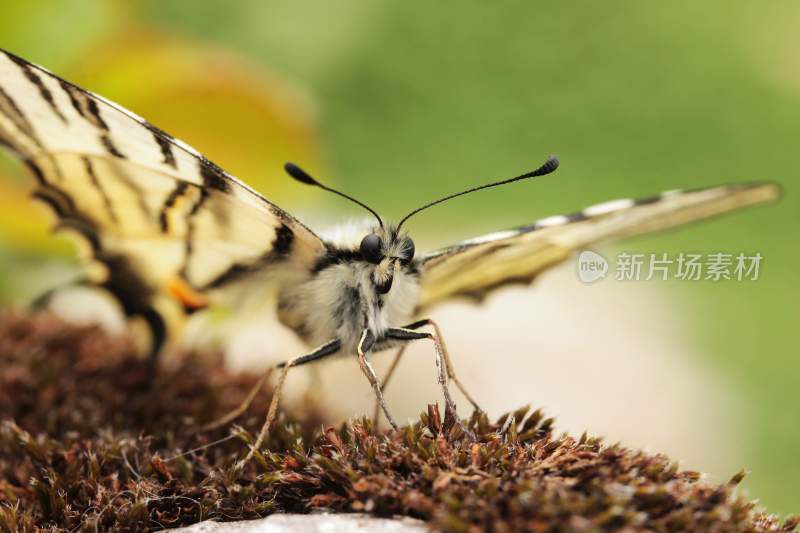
(385, 382)
(404, 334)
(450, 370)
(323, 351)
(364, 345)
(236, 413)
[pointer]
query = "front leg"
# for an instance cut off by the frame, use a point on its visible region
(448, 362)
(408, 334)
(450, 370)
(366, 343)
(397, 356)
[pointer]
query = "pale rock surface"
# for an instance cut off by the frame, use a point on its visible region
(311, 523)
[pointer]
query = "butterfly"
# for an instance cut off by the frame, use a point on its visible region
(173, 233)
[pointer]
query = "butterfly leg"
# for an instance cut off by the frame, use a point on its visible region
(322, 351)
(364, 345)
(325, 350)
(385, 382)
(448, 362)
(236, 413)
(407, 334)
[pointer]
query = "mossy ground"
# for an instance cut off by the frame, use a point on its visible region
(93, 438)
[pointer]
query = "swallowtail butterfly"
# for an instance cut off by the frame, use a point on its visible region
(175, 233)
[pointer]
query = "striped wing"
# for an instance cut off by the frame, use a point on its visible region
(163, 220)
(477, 266)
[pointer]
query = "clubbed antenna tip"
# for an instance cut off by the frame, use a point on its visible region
(304, 177)
(299, 174)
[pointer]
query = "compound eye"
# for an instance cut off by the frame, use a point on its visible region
(371, 249)
(408, 251)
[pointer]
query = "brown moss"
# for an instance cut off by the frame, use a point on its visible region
(92, 437)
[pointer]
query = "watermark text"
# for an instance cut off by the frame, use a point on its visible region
(716, 266)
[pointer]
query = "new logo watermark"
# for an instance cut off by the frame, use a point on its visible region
(591, 266)
(717, 266)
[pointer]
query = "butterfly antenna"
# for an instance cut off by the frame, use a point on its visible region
(303, 177)
(549, 166)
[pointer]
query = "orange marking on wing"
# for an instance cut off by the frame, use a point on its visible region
(185, 294)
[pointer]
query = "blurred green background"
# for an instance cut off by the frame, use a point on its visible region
(398, 103)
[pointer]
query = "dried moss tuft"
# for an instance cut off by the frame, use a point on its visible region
(91, 438)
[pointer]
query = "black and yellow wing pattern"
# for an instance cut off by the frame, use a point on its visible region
(167, 228)
(475, 267)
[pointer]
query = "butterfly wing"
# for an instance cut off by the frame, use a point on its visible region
(165, 223)
(477, 266)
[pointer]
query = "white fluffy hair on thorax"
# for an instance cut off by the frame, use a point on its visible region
(349, 233)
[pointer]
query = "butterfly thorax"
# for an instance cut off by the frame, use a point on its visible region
(347, 292)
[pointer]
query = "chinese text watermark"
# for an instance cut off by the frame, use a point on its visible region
(717, 266)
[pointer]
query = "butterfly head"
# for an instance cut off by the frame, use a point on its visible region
(390, 251)
(385, 248)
